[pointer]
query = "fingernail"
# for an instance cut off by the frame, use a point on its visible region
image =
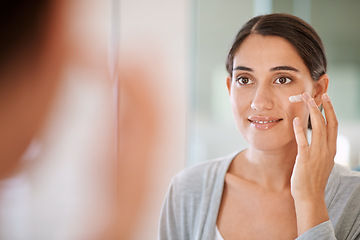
(326, 97)
(306, 96)
(297, 121)
(312, 103)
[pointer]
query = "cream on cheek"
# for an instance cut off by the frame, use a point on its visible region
(298, 109)
(296, 98)
(290, 109)
(297, 104)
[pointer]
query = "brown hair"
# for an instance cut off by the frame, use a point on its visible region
(295, 30)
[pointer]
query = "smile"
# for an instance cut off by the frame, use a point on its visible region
(264, 122)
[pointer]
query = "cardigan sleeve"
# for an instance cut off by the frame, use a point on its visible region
(343, 198)
(323, 231)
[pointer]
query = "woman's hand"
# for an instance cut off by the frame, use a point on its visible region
(313, 164)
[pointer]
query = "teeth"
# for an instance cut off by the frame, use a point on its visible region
(261, 122)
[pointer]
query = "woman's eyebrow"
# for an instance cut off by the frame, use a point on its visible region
(277, 68)
(243, 68)
(287, 68)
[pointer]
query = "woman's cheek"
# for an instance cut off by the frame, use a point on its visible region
(298, 110)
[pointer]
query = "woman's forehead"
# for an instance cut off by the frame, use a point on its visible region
(258, 51)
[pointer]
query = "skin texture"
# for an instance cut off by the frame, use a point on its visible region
(262, 185)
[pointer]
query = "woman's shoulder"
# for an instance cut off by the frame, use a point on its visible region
(343, 180)
(207, 173)
(206, 169)
(345, 176)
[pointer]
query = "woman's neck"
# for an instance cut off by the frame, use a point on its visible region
(271, 170)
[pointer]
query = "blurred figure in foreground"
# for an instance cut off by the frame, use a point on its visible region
(31, 46)
(79, 185)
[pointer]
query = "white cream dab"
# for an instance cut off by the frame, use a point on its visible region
(296, 98)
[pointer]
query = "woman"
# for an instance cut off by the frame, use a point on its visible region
(281, 187)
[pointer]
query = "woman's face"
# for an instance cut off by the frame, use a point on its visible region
(267, 70)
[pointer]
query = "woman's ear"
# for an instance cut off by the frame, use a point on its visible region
(228, 83)
(321, 87)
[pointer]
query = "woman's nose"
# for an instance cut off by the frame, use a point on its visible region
(262, 100)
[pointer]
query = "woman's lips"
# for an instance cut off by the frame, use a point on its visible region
(264, 123)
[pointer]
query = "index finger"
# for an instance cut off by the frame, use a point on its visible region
(300, 136)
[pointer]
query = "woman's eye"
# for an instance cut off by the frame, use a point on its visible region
(243, 80)
(283, 80)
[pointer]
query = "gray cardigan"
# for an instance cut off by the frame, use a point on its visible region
(192, 203)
